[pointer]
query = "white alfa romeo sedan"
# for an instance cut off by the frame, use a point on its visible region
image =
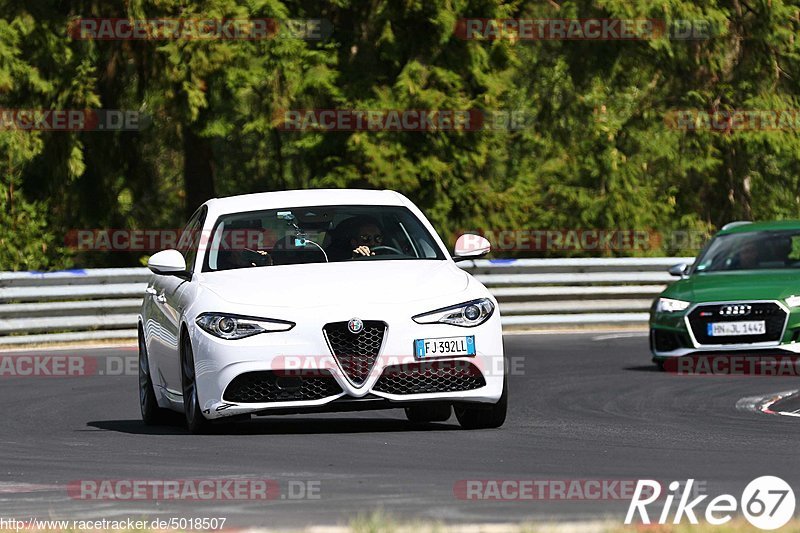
(318, 301)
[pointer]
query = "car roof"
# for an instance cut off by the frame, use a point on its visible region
(773, 225)
(302, 198)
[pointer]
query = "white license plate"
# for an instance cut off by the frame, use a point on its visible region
(444, 347)
(744, 327)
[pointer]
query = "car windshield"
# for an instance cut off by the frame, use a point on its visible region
(754, 250)
(318, 234)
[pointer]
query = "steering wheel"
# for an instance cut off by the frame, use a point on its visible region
(383, 250)
(257, 258)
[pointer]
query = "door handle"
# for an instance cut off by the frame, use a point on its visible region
(160, 297)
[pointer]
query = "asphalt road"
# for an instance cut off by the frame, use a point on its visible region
(582, 406)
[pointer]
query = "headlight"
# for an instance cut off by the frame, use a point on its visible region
(668, 305)
(793, 301)
(468, 314)
(230, 327)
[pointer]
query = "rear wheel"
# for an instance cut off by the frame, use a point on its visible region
(437, 412)
(477, 416)
(195, 421)
(152, 414)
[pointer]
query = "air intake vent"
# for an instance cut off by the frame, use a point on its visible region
(432, 377)
(267, 386)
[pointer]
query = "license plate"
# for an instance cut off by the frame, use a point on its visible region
(444, 347)
(745, 327)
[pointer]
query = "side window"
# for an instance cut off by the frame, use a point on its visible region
(189, 241)
(794, 253)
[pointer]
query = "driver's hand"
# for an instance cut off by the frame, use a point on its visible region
(259, 252)
(362, 250)
(262, 253)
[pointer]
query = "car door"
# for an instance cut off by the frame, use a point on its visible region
(168, 302)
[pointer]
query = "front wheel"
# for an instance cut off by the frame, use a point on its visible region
(152, 414)
(477, 416)
(195, 421)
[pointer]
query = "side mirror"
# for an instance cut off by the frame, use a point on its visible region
(679, 270)
(168, 263)
(470, 246)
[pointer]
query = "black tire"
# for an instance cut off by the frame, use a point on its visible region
(477, 416)
(435, 412)
(196, 423)
(152, 414)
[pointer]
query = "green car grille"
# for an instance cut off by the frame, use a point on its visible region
(773, 315)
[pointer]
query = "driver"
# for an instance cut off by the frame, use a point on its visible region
(748, 256)
(365, 235)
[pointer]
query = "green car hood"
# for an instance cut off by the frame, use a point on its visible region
(742, 285)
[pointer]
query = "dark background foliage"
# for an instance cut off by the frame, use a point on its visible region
(596, 151)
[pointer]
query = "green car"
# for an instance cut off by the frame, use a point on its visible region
(742, 294)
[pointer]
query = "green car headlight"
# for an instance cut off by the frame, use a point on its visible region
(792, 301)
(668, 305)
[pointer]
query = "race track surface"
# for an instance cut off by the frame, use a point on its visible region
(583, 406)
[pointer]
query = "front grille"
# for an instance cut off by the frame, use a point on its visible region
(268, 386)
(356, 353)
(430, 377)
(771, 313)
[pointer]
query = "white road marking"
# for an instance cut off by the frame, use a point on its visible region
(7, 487)
(763, 404)
(580, 331)
(627, 335)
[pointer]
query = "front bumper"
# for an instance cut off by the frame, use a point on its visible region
(680, 334)
(303, 352)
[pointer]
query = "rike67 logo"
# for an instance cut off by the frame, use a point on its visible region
(767, 502)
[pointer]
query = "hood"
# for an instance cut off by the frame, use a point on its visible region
(743, 285)
(323, 284)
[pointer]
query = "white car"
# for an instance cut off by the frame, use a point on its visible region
(318, 301)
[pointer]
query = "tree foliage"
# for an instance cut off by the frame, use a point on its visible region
(595, 152)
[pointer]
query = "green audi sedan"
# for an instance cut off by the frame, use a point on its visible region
(742, 294)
